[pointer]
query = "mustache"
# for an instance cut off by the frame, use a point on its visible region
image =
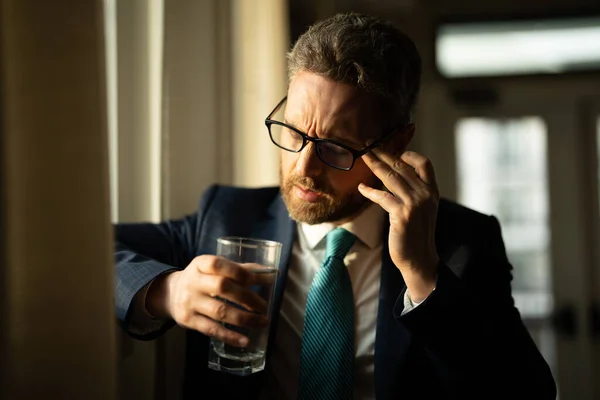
(310, 184)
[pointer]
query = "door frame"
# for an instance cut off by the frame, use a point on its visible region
(591, 118)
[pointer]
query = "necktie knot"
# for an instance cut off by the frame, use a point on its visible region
(339, 242)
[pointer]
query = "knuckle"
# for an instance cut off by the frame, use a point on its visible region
(220, 311)
(218, 261)
(236, 319)
(185, 317)
(185, 299)
(397, 164)
(237, 273)
(410, 206)
(214, 263)
(413, 155)
(426, 197)
(199, 260)
(390, 175)
(245, 319)
(212, 330)
(202, 264)
(387, 196)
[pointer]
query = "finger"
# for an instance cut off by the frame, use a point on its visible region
(265, 279)
(262, 275)
(422, 166)
(215, 330)
(221, 311)
(386, 200)
(218, 286)
(404, 169)
(390, 178)
(223, 267)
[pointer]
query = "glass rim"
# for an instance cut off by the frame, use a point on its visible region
(249, 242)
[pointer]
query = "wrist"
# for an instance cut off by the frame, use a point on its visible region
(420, 282)
(420, 289)
(157, 297)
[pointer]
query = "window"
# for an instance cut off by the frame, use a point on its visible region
(502, 172)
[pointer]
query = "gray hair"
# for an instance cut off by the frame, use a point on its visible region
(365, 52)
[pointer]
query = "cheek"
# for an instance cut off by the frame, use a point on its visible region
(288, 161)
(363, 173)
(347, 181)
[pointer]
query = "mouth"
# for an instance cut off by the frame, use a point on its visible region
(310, 196)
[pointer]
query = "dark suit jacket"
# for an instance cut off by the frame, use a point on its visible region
(466, 340)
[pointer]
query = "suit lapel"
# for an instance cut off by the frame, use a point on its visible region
(392, 340)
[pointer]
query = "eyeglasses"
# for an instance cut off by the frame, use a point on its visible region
(332, 153)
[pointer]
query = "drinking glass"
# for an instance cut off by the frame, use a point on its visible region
(262, 259)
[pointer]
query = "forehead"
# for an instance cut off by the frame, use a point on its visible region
(331, 108)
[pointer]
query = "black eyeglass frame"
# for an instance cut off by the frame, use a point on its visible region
(305, 139)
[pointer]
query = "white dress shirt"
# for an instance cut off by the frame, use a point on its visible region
(364, 267)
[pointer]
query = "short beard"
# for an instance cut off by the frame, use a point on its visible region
(329, 208)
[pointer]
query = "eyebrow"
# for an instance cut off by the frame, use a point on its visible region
(343, 141)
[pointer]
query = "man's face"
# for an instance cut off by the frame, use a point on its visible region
(313, 191)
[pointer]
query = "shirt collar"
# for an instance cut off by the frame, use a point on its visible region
(366, 226)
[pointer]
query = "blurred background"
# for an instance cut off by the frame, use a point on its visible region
(126, 110)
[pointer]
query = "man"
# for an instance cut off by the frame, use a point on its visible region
(425, 283)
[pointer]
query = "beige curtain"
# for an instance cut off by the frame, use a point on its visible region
(260, 31)
(57, 280)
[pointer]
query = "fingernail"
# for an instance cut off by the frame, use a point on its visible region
(243, 342)
(361, 186)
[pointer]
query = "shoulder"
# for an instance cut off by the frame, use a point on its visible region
(226, 201)
(458, 221)
(449, 209)
(227, 194)
(470, 242)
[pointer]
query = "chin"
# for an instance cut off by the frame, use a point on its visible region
(308, 213)
(324, 211)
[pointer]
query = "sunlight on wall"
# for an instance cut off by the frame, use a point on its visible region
(110, 43)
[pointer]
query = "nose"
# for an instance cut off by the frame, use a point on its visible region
(308, 163)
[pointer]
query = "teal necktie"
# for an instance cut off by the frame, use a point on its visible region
(327, 361)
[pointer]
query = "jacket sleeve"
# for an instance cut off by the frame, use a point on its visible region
(144, 251)
(475, 339)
